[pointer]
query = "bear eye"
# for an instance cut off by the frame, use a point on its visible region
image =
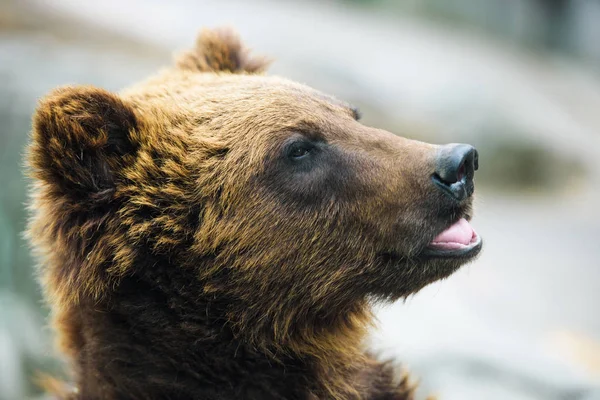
(299, 150)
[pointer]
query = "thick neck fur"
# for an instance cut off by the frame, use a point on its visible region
(151, 341)
(146, 345)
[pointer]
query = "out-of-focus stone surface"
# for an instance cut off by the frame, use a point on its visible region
(522, 322)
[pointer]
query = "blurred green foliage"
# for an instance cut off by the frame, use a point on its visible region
(569, 27)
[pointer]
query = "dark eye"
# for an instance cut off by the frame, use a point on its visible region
(299, 150)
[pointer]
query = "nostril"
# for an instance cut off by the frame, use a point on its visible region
(455, 167)
(455, 161)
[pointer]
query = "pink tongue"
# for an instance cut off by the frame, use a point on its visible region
(457, 236)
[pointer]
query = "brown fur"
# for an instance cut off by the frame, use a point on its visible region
(183, 257)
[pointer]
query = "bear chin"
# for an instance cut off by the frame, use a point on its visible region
(400, 276)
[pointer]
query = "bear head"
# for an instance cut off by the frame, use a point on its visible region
(253, 198)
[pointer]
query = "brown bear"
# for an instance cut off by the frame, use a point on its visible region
(214, 233)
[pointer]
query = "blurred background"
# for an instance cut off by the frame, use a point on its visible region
(519, 79)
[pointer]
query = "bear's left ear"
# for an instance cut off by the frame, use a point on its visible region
(221, 50)
(81, 139)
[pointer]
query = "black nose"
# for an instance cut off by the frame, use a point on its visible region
(456, 165)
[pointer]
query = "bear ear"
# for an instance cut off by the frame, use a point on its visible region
(81, 138)
(220, 50)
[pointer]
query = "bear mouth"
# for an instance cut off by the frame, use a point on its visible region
(459, 240)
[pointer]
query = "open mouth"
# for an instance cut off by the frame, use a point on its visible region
(458, 240)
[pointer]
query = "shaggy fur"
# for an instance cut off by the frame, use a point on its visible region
(213, 233)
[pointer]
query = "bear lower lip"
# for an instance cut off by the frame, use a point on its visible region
(458, 236)
(460, 239)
